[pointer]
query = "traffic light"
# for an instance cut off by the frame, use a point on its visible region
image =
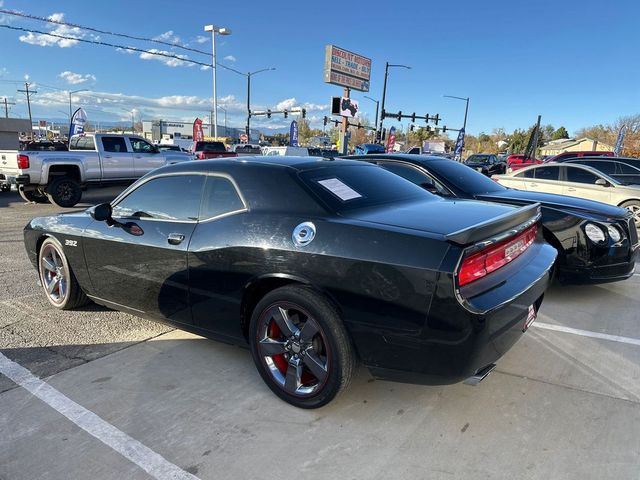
(428, 129)
(436, 119)
(249, 113)
(304, 113)
(426, 118)
(384, 134)
(268, 113)
(411, 127)
(286, 114)
(325, 120)
(444, 129)
(383, 114)
(413, 117)
(400, 115)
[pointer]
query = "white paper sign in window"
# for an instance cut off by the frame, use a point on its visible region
(339, 189)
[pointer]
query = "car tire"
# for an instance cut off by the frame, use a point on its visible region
(64, 192)
(57, 278)
(634, 207)
(33, 196)
(301, 347)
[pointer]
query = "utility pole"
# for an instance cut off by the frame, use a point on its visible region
(26, 90)
(384, 93)
(6, 107)
(344, 139)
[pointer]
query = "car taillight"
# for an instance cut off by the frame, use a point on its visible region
(201, 155)
(492, 258)
(23, 161)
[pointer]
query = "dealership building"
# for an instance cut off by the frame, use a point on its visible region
(157, 130)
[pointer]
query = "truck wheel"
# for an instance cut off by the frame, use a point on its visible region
(33, 196)
(64, 192)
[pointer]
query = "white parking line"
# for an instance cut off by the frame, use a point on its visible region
(587, 333)
(151, 462)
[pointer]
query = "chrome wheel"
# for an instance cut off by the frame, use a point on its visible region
(293, 349)
(53, 274)
(634, 208)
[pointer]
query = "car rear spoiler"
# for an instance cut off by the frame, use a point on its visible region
(496, 226)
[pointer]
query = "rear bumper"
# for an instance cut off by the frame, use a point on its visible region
(457, 342)
(22, 179)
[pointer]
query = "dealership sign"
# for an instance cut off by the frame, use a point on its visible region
(347, 69)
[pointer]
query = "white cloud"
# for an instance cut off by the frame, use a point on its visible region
(170, 62)
(230, 58)
(168, 36)
(77, 78)
(201, 39)
(286, 104)
(45, 40)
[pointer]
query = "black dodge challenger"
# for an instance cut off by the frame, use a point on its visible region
(596, 242)
(314, 264)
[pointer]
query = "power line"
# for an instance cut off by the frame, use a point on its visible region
(92, 29)
(113, 45)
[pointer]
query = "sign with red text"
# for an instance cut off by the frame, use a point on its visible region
(346, 69)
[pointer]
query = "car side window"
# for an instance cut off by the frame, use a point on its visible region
(220, 197)
(84, 143)
(114, 144)
(416, 176)
(605, 167)
(547, 173)
(172, 198)
(140, 146)
(578, 175)
(625, 169)
(525, 174)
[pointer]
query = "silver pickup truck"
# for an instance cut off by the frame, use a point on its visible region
(60, 177)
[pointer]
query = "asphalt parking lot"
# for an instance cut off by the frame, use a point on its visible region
(129, 398)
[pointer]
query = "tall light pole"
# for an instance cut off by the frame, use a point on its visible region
(71, 93)
(384, 88)
(466, 108)
(375, 123)
(249, 75)
(225, 119)
(221, 31)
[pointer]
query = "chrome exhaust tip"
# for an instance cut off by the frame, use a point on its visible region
(480, 375)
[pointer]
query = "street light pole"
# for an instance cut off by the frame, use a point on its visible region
(225, 119)
(249, 75)
(466, 108)
(384, 90)
(222, 31)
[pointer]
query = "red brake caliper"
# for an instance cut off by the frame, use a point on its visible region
(279, 360)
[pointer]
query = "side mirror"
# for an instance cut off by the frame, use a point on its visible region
(102, 212)
(602, 182)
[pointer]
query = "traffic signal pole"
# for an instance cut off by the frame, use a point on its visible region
(345, 126)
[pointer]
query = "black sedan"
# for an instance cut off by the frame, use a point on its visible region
(596, 242)
(487, 164)
(314, 264)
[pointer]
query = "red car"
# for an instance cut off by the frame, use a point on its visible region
(207, 150)
(563, 155)
(516, 162)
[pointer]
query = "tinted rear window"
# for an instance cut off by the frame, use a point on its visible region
(346, 187)
(464, 178)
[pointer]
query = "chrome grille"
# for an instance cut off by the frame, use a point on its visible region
(633, 232)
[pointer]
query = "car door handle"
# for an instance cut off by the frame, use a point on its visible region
(175, 238)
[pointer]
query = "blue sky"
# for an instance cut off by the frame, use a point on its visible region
(574, 62)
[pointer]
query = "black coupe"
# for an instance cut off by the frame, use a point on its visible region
(315, 264)
(596, 242)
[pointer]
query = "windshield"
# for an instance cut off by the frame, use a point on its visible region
(477, 159)
(346, 187)
(464, 178)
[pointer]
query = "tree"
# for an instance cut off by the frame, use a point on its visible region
(559, 134)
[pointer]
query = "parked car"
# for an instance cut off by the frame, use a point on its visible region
(518, 161)
(369, 148)
(313, 263)
(576, 181)
(286, 151)
(44, 145)
(625, 170)
(165, 147)
(565, 220)
(486, 163)
(206, 150)
(243, 149)
(100, 159)
(568, 155)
